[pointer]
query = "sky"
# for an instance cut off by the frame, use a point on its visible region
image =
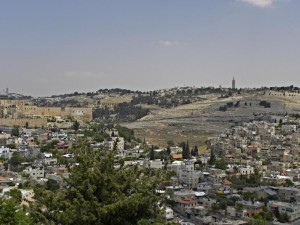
(63, 46)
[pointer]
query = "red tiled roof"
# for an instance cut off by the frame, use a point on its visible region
(177, 156)
(187, 201)
(227, 182)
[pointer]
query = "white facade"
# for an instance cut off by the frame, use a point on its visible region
(35, 172)
(153, 164)
(118, 141)
(289, 127)
(291, 209)
(169, 214)
(175, 166)
(188, 175)
(27, 196)
(246, 170)
(4, 152)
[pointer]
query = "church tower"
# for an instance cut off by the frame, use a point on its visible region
(233, 84)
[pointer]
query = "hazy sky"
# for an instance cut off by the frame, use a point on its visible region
(62, 46)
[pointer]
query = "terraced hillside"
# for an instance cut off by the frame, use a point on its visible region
(199, 120)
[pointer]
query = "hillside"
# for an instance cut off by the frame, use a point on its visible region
(199, 120)
(180, 114)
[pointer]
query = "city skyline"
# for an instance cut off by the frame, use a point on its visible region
(57, 47)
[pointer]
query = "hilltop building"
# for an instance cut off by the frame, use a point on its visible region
(233, 84)
(3, 95)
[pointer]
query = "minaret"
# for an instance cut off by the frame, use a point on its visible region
(233, 84)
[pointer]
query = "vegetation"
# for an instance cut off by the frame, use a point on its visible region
(100, 194)
(16, 161)
(125, 132)
(229, 105)
(52, 185)
(185, 150)
(121, 112)
(15, 131)
(265, 104)
(11, 146)
(11, 213)
(212, 159)
(48, 146)
(76, 125)
(282, 217)
(152, 157)
(252, 180)
(220, 164)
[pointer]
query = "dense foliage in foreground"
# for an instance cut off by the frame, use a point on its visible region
(98, 193)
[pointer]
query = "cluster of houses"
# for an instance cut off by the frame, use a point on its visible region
(29, 157)
(250, 172)
(265, 152)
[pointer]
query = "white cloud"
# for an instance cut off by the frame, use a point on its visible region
(259, 3)
(169, 43)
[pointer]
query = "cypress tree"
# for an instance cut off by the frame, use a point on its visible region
(184, 152)
(152, 153)
(212, 159)
(196, 150)
(187, 151)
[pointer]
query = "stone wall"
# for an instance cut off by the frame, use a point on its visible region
(289, 95)
(8, 102)
(84, 114)
(39, 122)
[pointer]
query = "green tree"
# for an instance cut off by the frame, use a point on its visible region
(249, 196)
(183, 145)
(12, 213)
(76, 125)
(239, 207)
(212, 159)
(259, 221)
(15, 131)
(221, 164)
(168, 150)
(235, 169)
(52, 185)
(280, 122)
(125, 132)
(16, 195)
(196, 151)
(152, 156)
(50, 145)
(187, 151)
(11, 146)
(98, 138)
(170, 143)
(288, 183)
(15, 161)
(100, 194)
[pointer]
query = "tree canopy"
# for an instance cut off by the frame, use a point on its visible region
(98, 193)
(11, 213)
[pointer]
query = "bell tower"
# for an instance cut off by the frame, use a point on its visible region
(233, 84)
